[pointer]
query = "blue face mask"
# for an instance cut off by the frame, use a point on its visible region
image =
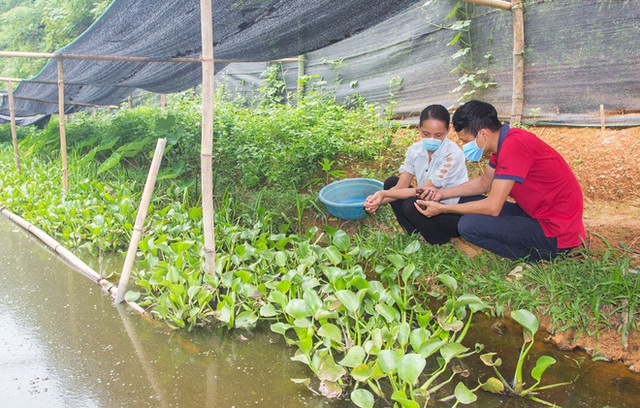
(430, 143)
(472, 151)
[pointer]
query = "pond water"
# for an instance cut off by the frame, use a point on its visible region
(64, 344)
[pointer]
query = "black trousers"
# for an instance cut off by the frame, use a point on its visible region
(435, 230)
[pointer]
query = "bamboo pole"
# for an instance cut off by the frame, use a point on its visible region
(500, 4)
(63, 135)
(142, 214)
(130, 101)
(90, 105)
(18, 54)
(206, 169)
(301, 73)
(14, 133)
(69, 257)
(517, 101)
(163, 101)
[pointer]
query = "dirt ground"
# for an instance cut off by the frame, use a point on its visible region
(607, 165)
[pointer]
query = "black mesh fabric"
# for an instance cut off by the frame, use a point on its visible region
(246, 30)
(578, 55)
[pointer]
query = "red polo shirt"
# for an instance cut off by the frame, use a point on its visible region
(545, 187)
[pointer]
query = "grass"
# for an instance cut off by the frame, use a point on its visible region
(270, 162)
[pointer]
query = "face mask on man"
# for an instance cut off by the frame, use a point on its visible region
(472, 151)
(430, 143)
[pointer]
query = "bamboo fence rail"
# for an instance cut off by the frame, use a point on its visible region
(142, 214)
(69, 257)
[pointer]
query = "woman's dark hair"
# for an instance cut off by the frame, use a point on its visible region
(437, 112)
(475, 115)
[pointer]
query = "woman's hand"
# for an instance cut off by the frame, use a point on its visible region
(429, 208)
(374, 201)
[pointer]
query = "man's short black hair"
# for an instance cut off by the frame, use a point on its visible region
(475, 115)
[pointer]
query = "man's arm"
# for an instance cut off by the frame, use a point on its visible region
(477, 186)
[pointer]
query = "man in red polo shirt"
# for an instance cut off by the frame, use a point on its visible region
(546, 218)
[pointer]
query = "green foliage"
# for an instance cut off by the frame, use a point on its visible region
(530, 326)
(474, 75)
(42, 26)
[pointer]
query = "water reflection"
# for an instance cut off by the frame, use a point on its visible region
(66, 345)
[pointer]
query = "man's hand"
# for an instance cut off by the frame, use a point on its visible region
(429, 208)
(431, 194)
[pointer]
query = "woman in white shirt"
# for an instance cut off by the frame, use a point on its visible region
(435, 162)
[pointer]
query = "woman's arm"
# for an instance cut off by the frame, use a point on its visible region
(400, 191)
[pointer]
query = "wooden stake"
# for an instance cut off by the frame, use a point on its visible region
(14, 133)
(301, 73)
(130, 101)
(206, 170)
(163, 101)
(63, 136)
(499, 4)
(602, 127)
(517, 101)
(142, 215)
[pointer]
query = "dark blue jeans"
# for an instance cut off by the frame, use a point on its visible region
(513, 234)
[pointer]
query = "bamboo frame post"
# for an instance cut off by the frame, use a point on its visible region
(517, 101)
(163, 101)
(14, 133)
(206, 162)
(301, 73)
(63, 135)
(499, 4)
(130, 101)
(142, 215)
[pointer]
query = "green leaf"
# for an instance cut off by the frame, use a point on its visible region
(464, 395)
(396, 260)
(362, 398)
(389, 313)
(487, 359)
(542, 364)
(403, 332)
(330, 331)
(451, 350)
(448, 281)
(412, 248)
(401, 398)
(417, 338)
(132, 296)
(341, 240)
(388, 361)
(334, 254)
(526, 319)
(410, 367)
(349, 300)
(429, 347)
(354, 357)
(280, 328)
(268, 310)
(328, 370)
(112, 161)
(493, 385)
(362, 372)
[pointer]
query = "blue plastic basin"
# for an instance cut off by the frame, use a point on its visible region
(344, 199)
